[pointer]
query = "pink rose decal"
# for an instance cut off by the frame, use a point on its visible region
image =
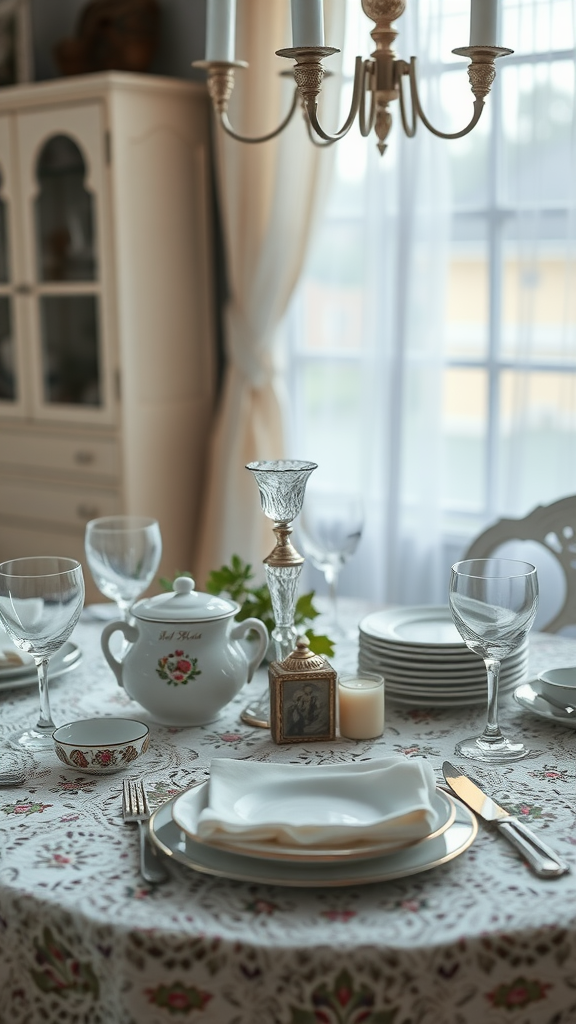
(178, 668)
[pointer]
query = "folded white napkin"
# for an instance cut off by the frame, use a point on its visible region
(388, 801)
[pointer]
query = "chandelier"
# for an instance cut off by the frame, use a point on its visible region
(378, 79)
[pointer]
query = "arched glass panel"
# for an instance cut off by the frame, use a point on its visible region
(64, 214)
(7, 369)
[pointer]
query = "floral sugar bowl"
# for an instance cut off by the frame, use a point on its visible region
(186, 661)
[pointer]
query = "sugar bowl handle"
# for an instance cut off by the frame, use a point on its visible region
(131, 634)
(244, 627)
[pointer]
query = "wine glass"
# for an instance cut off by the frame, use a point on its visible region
(493, 603)
(40, 603)
(123, 554)
(330, 528)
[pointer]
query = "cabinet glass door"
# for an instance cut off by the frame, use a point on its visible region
(63, 163)
(66, 252)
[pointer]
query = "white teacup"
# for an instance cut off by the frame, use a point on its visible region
(559, 684)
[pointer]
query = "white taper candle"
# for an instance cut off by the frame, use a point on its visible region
(483, 22)
(220, 30)
(307, 23)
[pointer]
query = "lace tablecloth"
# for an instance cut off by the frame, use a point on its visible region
(477, 941)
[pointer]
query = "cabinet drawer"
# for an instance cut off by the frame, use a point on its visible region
(88, 456)
(59, 505)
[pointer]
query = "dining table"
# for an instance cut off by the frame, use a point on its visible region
(84, 940)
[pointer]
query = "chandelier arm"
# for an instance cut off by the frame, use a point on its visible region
(366, 126)
(223, 119)
(409, 129)
(478, 108)
(314, 140)
(312, 106)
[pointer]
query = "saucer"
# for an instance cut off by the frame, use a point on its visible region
(529, 698)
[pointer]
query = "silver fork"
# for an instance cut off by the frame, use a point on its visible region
(135, 808)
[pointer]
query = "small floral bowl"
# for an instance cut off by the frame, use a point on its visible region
(101, 746)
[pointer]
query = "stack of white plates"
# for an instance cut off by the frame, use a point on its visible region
(425, 662)
(17, 669)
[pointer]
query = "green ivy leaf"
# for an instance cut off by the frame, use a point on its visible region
(305, 610)
(320, 644)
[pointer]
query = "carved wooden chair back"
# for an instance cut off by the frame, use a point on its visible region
(554, 527)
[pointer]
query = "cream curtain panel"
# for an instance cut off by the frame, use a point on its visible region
(269, 198)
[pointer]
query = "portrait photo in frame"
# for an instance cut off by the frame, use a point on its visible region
(302, 698)
(15, 42)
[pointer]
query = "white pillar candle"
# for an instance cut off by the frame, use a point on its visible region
(307, 23)
(361, 705)
(221, 30)
(483, 22)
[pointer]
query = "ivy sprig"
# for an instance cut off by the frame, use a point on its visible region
(255, 602)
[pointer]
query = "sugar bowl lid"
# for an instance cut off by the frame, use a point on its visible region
(184, 604)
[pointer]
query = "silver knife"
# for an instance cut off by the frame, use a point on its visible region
(541, 858)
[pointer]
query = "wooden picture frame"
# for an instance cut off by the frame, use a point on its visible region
(16, 61)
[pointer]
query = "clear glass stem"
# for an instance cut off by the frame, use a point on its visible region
(124, 607)
(331, 576)
(45, 723)
(492, 729)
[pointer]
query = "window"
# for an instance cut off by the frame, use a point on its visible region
(502, 435)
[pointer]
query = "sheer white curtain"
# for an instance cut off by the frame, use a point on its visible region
(270, 197)
(443, 380)
(367, 389)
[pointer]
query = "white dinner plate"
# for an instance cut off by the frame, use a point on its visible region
(421, 625)
(414, 676)
(187, 807)
(169, 838)
(528, 697)
(435, 658)
(67, 658)
(433, 700)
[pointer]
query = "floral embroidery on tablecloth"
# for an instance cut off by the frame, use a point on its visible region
(178, 998)
(342, 1003)
(25, 807)
(60, 972)
(519, 993)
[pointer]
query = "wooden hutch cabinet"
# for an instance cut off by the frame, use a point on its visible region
(106, 310)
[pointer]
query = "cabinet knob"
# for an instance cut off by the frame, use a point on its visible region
(87, 511)
(84, 457)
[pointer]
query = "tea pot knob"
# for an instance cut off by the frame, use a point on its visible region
(183, 585)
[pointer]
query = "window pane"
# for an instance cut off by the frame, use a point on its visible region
(4, 262)
(7, 368)
(467, 307)
(537, 114)
(332, 290)
(464, 413)
(70, 349)
(537, 26)
(330, 418)
(537, 439)
(539, 301)
(468, 156)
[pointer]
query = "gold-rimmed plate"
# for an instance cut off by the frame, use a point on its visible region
(209, 860)
(187, 808)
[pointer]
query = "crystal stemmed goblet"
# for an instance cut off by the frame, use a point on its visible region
(282, 483)
(123, 554)
(330, 527)
(493, 603)
(40, 603)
